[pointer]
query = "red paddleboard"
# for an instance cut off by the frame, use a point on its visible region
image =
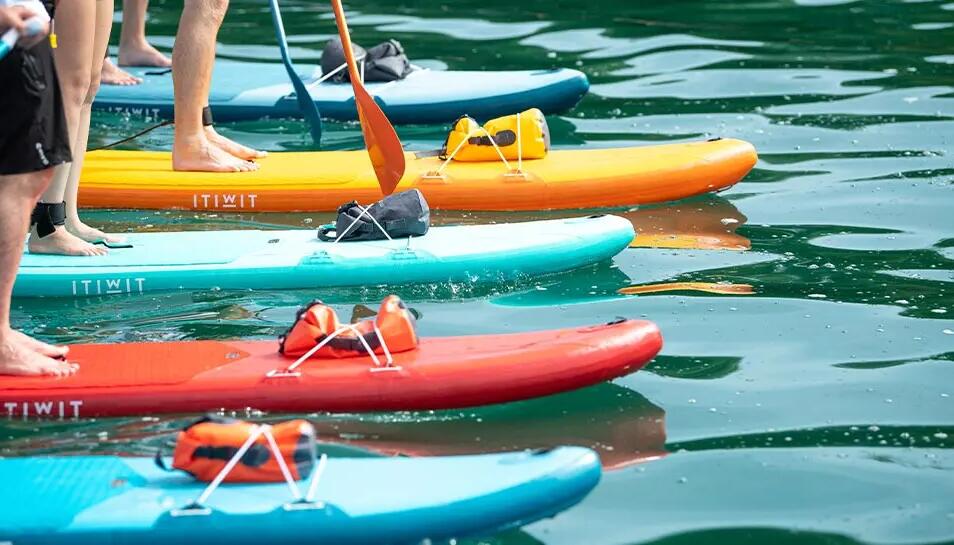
(442, 373)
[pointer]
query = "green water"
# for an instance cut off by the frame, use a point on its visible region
(818, 409)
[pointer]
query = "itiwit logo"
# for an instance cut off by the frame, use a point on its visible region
(223, 200)
(108, 286)
(43, 409)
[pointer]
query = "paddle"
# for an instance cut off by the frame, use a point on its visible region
(384, 147)
(7, 41)
(305, 103)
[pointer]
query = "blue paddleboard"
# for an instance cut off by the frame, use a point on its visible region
(250, 90)
(98, 500)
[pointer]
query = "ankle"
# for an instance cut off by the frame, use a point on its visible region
(190, 139)
(133, 43)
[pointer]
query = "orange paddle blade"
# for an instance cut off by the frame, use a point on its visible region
(384, 146)
(708, 287)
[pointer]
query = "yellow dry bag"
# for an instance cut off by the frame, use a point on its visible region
(524, 135)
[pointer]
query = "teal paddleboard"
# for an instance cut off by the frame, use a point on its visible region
(98, 500)
(195, 260)
(252, 90)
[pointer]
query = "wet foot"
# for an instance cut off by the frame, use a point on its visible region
(18, 359)
(42, 348)
(231, 147)
(197, 154)
(62, 242)
(142, 55)
(84, 232)
(113, 75)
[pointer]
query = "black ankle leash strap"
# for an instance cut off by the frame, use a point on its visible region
(47, 217)
(207, 117)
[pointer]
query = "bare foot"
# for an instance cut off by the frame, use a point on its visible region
(198, 154)
(84, 232)
(18, 359)
(113, 75)
(232, 147)
(44, 349)
(62, 242)
(142, 54)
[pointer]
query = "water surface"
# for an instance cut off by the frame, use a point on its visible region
(817, 406)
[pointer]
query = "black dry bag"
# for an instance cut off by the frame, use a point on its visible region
(383, 62)
(401, 215)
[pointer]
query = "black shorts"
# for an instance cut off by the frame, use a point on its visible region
(33, 133)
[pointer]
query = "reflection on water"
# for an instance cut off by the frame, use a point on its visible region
(623, 426)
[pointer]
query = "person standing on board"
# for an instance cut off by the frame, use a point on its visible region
(134, 49)
(33, 140)
(83, 27)
(196, 146)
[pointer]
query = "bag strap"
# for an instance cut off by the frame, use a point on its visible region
(323, 231)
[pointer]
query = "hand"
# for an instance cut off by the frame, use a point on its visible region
(14, 17)
(32, 31)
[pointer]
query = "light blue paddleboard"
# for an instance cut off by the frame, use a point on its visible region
(98, 500)
(252, 90)
(194, 260)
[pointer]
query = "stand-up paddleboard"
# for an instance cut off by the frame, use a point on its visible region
(321, 181)
(252, 90)
(441, 373)
(93, 500)
(190, 260)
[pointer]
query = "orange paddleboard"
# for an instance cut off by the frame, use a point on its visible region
(321, 181)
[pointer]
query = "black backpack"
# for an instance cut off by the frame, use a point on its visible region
(383, 62)
(402, 215)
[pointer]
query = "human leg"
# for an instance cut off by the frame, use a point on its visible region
(192, 59)
(104, 21)
(20, 354)
(134, 49)
(75, 24)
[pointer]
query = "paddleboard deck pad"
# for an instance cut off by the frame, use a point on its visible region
(322, 180)
(144, 379)
(93, 500)
(253, 90)
(195, 260)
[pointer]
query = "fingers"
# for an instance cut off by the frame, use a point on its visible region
(31, 28)
(12, 18)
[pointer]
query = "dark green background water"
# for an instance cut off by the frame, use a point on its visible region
(820, 409)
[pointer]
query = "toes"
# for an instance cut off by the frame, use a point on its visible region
(61, 369)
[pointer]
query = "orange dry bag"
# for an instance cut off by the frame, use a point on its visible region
(205, 447)
(317, 321)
